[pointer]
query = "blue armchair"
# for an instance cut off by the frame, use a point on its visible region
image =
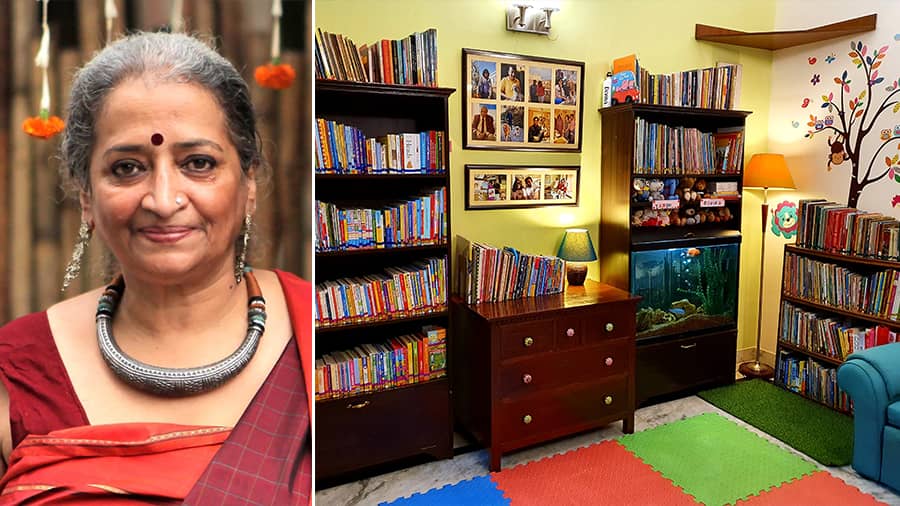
(872, 380)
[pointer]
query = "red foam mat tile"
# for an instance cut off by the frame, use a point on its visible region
(813, 489)
(603, 473)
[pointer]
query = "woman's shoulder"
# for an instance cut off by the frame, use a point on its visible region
(24, 327)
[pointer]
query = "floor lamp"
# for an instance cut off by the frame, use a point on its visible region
(764, 172)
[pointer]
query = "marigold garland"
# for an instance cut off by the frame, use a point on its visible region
(43, 127)
(276, 76)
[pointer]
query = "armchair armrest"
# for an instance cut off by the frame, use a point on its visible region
(872, 384)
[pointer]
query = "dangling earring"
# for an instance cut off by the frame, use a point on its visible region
(241, 258)
(73, 268)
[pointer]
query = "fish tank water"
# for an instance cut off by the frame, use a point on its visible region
(685, 289)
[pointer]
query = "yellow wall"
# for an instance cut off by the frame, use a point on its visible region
(595, 32)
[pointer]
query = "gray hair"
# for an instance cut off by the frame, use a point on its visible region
(169, 57)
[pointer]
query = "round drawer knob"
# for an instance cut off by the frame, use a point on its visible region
(607, 400)
(608, 361)
(610, 327)
(529, 341)
(526, 378)
(526, 419)
(570, 332)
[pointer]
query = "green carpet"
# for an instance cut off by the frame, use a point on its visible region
(697, 452)
(823, 434)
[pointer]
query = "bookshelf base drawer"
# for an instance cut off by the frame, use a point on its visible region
(372, 429)
(682, 364)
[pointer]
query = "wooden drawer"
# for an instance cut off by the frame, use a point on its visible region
(515, 338)
(560, 411)
(570, 330)
(371, 429)
(682, 364)
(614, 321)
(530, 375)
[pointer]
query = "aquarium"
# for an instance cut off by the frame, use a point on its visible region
(685, 289)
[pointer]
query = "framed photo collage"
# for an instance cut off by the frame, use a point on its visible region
(516, 102)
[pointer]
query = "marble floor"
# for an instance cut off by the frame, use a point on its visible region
(424, 477)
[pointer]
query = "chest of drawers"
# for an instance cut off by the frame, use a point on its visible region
(532, 370)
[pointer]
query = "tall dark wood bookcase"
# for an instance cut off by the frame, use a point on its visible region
(667, 364)
(357, 433)
(789, 342)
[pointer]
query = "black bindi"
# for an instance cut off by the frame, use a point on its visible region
(156, 139)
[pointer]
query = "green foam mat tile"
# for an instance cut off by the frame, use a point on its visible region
(715, 460)
(807, 426)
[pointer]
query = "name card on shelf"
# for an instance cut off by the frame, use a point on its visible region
(666, 204)
(712, 202)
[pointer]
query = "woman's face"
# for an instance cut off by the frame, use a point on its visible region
(167, 193)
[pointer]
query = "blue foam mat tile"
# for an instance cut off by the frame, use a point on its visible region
(480, 490)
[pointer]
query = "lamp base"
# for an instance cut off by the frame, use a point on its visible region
(576, 274)
(756, 370)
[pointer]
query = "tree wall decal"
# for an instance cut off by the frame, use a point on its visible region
(856, 119)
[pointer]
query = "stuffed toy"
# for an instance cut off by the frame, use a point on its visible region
(664, 219)
(723, 214)
(637, 218)
(656, 187)
(641, 190)
(686, 190)
(689, 215)
(669, 187)
(700, 186)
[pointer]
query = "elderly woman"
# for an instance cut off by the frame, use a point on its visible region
(188, 378)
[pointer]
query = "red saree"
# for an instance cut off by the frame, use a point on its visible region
(266, 457)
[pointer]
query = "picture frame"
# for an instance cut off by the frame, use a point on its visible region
(512, 186)
(518, 102)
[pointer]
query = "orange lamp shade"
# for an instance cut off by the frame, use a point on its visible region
(768, 170)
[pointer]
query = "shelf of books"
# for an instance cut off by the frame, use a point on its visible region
(397, 362)
(716, 87)
(491, 274)
(410, 61)
(382, 257)
(840, 287)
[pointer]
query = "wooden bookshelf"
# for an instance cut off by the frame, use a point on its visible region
(783, 347)
(785, 39)
(670, 361)
(361, 433)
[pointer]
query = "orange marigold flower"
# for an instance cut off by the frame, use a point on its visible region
(275, 76)
(37, 126)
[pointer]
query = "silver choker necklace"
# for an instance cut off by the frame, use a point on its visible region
(172, 382)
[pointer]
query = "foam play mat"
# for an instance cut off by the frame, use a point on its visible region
(705, 459)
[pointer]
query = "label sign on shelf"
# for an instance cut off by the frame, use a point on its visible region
(712, 202)
(666, 204)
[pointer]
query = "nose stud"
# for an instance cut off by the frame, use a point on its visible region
(178, 201)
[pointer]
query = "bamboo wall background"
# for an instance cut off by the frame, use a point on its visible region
(39, 222)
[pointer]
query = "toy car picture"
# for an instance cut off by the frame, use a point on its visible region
(624, 89)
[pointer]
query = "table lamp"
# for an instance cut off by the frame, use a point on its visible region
(576, 249)
(764, 172)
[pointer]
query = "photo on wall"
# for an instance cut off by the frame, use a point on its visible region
(510, 186)
(484, 121)
(537, 102)
(541, 85)
(538, 124)
(484, 79)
